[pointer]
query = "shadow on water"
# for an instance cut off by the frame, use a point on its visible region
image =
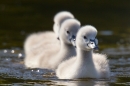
(19, 18)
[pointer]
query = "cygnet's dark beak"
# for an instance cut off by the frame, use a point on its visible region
(92, 45)
(73, 40)
(96, 48)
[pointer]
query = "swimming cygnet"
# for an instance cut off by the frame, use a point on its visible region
(52, 57)
(86, 64)
(37, 41)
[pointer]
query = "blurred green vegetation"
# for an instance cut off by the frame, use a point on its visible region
(18, 18)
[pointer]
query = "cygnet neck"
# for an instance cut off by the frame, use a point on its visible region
(84, 56)
(67, 49)
(84, 62)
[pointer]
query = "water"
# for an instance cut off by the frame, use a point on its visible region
(19, 18)
(13, 72)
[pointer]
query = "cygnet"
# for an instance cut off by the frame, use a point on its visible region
(52, 57)
(85, 64)
(39, 41)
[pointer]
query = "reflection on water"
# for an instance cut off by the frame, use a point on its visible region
(13, 72)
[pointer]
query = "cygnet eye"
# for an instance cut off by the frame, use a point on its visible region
(91, 42)
(68, 32)
(85, 37)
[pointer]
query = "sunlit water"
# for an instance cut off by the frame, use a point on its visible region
(13, 72)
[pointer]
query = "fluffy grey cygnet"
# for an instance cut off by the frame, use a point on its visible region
(52, 57)
(85, 64)
(39, 41)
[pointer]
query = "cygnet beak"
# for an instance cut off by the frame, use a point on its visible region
(72, 40)
(96, 48)
(93, 45)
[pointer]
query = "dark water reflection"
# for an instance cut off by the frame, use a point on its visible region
(19, 18)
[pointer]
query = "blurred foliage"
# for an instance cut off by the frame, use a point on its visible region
(18, 18)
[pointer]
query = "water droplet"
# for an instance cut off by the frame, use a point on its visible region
(5, 51)
(20, 55)
(38, 71)
(12, 51)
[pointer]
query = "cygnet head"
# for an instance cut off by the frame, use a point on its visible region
(59, 18)
(68, 31)
(86, 38)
